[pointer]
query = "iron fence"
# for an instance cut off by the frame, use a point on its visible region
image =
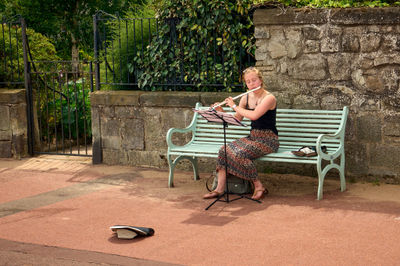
(58, 106)
(12, 51)
(117, 41)
(120, 45)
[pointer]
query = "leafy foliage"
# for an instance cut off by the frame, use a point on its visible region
(11, 52)
(69, 24)
(125, 38)
(199, 43)
(65, 115)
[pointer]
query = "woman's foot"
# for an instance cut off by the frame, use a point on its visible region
(259, 190)
(212, 194)
(259, 193)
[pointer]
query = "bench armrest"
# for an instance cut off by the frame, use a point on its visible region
(177, 130)
(329, 155)
(338, 135)
(190, 128)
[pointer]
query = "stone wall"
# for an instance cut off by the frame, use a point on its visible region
(13, 124)
(326, 59)
(310, 59)
(130, 127)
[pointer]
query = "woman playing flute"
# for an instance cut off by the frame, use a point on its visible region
(260, 107)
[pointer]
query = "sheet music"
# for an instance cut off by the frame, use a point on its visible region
(219, 117)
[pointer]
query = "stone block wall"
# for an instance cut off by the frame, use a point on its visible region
(310, 59)
(130, 127)
(13, 124)
(330, 58)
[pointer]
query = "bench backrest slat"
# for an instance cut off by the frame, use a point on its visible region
(302, 111)
(296, 128)
(327, 120)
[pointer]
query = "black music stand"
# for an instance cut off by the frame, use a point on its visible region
(212, 115)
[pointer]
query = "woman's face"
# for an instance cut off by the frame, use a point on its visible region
(252, 80)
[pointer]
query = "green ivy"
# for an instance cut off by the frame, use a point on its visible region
(199, 43)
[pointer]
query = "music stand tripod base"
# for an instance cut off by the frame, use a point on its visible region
(212, 115)
(227, 199)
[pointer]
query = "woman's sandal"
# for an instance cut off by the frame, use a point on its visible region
(308, 151)
(212, 194)
(305, 151)
(323, 149)
(256, 192)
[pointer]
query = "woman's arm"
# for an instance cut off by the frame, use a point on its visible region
(242, 104)
(268, 103)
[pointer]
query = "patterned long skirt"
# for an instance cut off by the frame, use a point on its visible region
(242, 152)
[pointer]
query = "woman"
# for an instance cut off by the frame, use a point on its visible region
(260, 107)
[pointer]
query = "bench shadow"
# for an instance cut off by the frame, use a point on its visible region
(333, 199)
(337, 200)
(285, 189)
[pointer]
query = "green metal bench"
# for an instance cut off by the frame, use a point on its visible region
(297, 128)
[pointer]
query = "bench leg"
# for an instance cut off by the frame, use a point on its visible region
(321, 178)
(322, 174)
(171, 172)
(193, 160)
(341, 172)
(195, 168)
(172, 165)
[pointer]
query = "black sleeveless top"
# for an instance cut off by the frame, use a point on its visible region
(266, 121)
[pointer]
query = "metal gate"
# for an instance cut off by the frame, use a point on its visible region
(57, 94)
(59, 113)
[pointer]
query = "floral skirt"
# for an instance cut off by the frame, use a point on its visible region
(242, 152)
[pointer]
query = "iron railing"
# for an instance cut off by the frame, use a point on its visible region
(119, 43)
(12, 51)
(58, 107)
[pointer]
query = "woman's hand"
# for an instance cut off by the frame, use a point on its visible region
(229, 101)
(219, 108)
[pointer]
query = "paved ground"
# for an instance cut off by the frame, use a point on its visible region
(58, 210)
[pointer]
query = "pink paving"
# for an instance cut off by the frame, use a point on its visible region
(358, 227)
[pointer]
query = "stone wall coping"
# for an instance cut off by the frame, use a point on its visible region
(277, 16)
(12, 96)
(337, 16)
(157, 98)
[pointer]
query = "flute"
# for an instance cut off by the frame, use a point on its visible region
(240, 95)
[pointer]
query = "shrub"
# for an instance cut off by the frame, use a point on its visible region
(11, 52)
(201, 43)
(128, 37)
(64, 116)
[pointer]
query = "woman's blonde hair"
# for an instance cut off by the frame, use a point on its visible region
(253, 69)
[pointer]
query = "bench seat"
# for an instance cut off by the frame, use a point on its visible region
(296, 127)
